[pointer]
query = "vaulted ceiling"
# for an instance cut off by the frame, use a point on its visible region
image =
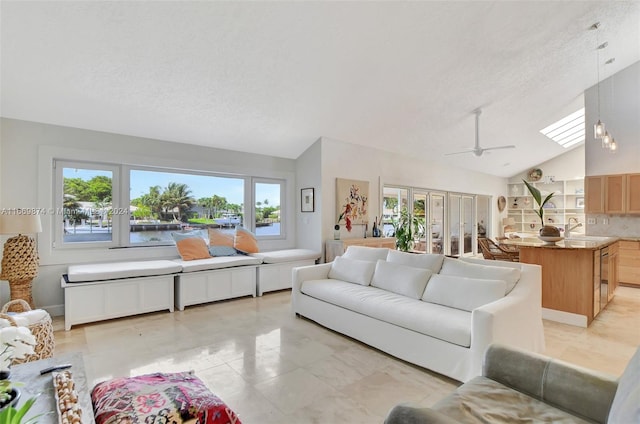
(273, 77)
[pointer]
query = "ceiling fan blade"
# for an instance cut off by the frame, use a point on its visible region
(459, 153)
(511, 146)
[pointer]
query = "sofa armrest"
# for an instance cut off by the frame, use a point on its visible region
(406, 414)
(516, 319)
(306, 273)
(582, 392)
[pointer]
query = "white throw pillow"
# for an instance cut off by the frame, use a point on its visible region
(352, 270)
(364, 253)
(463, 293)
(464, 269)
(430, 261)
(405, 280)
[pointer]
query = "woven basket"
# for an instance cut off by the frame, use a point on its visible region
(41, 330)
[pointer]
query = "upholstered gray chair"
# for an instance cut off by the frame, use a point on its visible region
(519, 386)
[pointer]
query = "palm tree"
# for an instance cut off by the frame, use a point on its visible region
(177, 196)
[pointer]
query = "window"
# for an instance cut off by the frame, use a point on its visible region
(164, 201)
(268, 195)
(86, 204)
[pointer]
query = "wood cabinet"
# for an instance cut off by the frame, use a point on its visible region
(629, 262)
(612, 194)
(613, 270)
(633, 193)
(615, 193)
(594, 194)
(335, 248)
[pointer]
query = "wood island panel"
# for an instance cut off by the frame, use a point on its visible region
(629, 262)
(567, 278)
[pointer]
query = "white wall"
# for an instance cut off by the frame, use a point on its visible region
(620, 111)
(25, 181)
(345, 160)
(568, 166)
(308, 175)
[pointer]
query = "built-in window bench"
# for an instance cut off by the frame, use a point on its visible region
(95, 292)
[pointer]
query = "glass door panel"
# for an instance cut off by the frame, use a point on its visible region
(394, 200)
(455, 223)
(420, 212)
(435, 230)
(468, 222)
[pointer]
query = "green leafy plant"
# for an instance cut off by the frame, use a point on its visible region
(537, 196)
(407, 229)
(11, 415)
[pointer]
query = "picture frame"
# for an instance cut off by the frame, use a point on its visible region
(579, 202)
(307, 202)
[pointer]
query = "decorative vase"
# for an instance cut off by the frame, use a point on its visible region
(14, 397)
(336, 232)
(549, 235)
(549, 231)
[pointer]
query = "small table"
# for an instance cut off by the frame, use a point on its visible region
(34, 383)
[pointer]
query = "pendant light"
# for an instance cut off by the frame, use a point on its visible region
(598, 128)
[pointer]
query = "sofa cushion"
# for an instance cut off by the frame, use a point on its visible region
(222, 251)
(430, 261)
(116, 270)
(218, 238)
(626, 403)
(464, 269)
(287, 255)
(352, 270)
(448, 324)
(216, 263)
(401, 279)
(192, 248)
(245, 241)
(463, 293)
(483, 400)
(364, 253)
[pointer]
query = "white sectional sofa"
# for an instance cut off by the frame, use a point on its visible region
(436, 312)
(101, 291)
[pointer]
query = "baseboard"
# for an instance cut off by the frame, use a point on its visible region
(54, 310)
(564, 317)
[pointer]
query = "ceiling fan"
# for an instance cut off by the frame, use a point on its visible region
(477, 150)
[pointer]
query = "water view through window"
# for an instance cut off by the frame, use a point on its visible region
(163, 202)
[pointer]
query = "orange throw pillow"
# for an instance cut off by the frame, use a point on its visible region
(245, 241)
(192, 248)
(218, 238)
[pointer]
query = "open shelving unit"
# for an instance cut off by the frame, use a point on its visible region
(568, 202)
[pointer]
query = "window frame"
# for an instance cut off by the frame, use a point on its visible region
(58, 202)
(283, 187)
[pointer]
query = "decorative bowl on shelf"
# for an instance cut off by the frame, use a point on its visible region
(550, 241)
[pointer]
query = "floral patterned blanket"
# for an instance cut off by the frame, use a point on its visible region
(159, 398)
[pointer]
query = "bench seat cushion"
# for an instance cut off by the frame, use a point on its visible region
(216, 263)
(118, 270)
(441, 322)
(288, 255)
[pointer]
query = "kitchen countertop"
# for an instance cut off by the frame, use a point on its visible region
(578, 243)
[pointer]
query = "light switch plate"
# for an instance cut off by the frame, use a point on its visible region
(605, 221)
(591, 221)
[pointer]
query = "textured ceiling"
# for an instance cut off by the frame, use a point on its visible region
(273, 77)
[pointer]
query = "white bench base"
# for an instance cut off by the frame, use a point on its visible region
(100, 300)
(278, 276)
(193, 288)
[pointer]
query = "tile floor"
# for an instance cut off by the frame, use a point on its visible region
(271, 367)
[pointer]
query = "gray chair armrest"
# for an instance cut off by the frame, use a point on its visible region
(406, 414)
(577, 390)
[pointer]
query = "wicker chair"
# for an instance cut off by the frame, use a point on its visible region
(491, 250)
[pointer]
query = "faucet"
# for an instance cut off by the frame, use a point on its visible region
(568, 227)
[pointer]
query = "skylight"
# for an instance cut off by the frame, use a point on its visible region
(568, 131)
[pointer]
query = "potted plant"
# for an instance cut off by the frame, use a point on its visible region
(406, 229)
(546, 230)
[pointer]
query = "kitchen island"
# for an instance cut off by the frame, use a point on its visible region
(579, 275)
